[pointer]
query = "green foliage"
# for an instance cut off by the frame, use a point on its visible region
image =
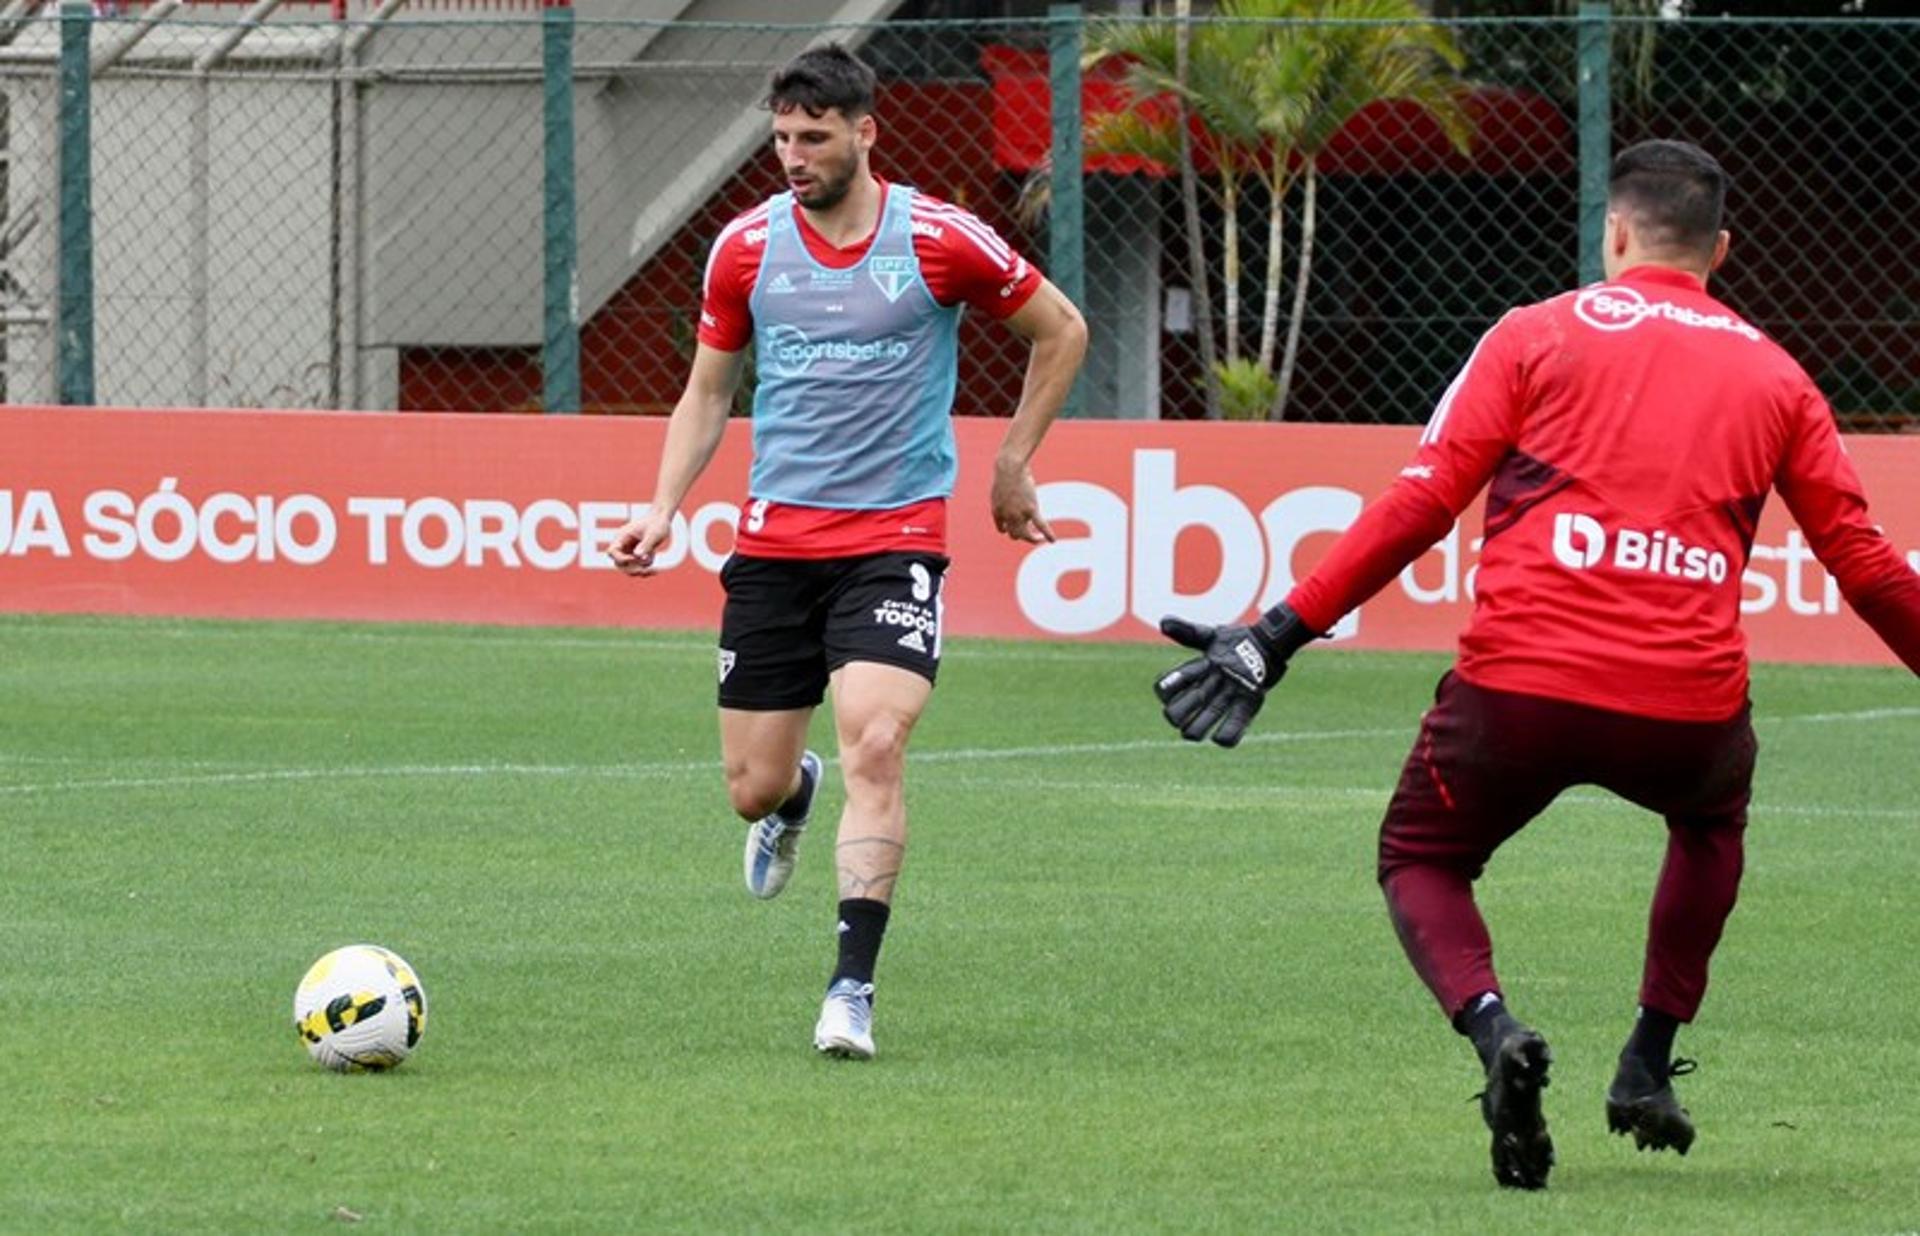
(1247, 389)
(1272, 83)
(1378, 50)
(1223, 90)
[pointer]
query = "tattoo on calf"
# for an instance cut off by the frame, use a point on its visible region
(874, 876)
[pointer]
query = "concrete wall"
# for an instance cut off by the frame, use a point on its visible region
(1122, 373)
(264, 237)
(213, 263)
(452, 215)
(31, 218)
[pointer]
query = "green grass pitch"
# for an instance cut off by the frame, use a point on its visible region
(1132, 985)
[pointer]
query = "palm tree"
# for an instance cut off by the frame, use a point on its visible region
(1378, 50)
(1271, 83)
(1216, 84)
(1190, 210)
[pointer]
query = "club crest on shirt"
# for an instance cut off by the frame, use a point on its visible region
(892, 275)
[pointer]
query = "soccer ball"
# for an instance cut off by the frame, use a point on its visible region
(360, 1008)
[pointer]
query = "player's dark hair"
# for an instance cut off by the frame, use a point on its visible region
(820, 79)
(1676, 192)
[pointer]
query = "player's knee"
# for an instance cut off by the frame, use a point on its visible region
(1390, 861)
(877, 753)
(756, 791)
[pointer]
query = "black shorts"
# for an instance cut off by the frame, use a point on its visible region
(791, 622)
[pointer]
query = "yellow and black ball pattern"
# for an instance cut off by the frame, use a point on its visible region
(360, 1009)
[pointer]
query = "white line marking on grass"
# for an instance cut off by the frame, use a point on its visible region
(1761, 809)
(368, 772)
(1377, 796)
(952, 755)
(1865, 714)
(1169, 743)
(631, 771)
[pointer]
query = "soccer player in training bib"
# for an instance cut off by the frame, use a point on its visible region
(850, 290)
(1630, 432)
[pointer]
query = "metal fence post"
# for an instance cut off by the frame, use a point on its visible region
(1066, 221)
(1595, 77)
(560, 357)
(74, 329)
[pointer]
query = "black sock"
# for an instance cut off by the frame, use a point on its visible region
(863, 923)
(800, 801)
(1652, 1040)
(1485, 1020)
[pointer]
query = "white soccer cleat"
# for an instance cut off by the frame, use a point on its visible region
(773, 841)
(845, 1028)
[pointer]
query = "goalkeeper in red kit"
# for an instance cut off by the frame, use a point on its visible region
(1628, 434)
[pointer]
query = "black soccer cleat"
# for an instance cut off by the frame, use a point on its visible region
(1642, 1102)
(1522, 1151)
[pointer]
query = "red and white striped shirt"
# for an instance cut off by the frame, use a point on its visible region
(961, 258)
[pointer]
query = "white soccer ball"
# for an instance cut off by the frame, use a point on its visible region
(360, 1008)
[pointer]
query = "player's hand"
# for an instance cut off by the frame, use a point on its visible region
(1016, 504)
(635, 543)
(1219, 692)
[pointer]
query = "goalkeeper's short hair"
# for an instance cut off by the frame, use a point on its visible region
(1675, 191)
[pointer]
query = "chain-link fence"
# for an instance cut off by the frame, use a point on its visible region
(276, 220)
(357, 213)
(1819, 129)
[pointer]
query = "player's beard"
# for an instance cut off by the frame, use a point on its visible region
(827, 192)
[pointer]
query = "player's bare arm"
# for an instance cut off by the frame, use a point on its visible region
(693, 434)
(1059, 337)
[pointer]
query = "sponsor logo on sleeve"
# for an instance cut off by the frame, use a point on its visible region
(1013, 285)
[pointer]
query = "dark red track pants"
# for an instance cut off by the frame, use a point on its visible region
(1486, 762)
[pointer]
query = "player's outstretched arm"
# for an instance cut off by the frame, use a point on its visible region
(1219, 692)
(1059, 336)
(1474, 426)
(693, 435)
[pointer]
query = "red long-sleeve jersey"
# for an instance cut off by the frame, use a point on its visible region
(1631, 432)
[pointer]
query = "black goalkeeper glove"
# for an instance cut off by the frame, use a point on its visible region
(1220, 691)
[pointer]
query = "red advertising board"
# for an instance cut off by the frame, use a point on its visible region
(499, 519)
